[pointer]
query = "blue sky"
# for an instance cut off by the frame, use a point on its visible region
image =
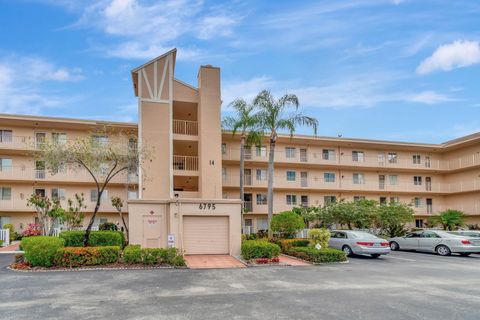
(382, 69)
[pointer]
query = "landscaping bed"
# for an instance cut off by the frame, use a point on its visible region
(49, 253)
(260, 252)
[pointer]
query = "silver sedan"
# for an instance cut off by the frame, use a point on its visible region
(440, 242)
(358, 242)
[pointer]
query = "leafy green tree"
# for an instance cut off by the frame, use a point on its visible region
(274, 116)
(392, 218)
(287, 224)
(73, 217)
(364, 213)
(246, 123)
(48, 212)
(449, 219)
(101, 156)
(117, 203)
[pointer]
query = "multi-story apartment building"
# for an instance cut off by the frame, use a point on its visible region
(188, 193)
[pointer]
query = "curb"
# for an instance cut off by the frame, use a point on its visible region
(93, 269)
(9, 252)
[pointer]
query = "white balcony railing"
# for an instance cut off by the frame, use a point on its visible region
(185, 163)
(185, 127)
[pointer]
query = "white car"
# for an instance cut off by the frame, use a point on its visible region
(440, 242)
(358, 242)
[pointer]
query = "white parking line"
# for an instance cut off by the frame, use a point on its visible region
(401, 258)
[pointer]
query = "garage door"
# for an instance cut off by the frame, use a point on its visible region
(205, 235)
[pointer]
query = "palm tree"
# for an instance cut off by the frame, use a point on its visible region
(246, 122)
(449, 219)
(274, 117)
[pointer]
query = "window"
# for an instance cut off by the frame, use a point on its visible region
(58, 194)
(261, 174)
(248, 152)
(40, 138)
(381, 181)
(262, 224)
(224, 173)
(132, 194)
(381, 158)
(261, 151)
(393, 180)
(358, 178)
(383, 200)
(40, 192)
(416, 158)
(417, 202)
(358, 156)
(304, 201)
(291, 175)
(329, 176)
(224, 148)
(261, 198)
(291, 199)
(100, 140)
(40, 169)
(328, 154)
(290, 152)
(5, 164)
(392, 157)
(59, 138)
(358, 198)
(394, 199)
(5, 193)
(418, 223)
(94, 195)
(303, 155)
(5, 136)
(329, 199)
(417, 180)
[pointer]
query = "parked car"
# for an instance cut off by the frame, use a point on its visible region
(440, 242)
(358, 242)
(467, 233)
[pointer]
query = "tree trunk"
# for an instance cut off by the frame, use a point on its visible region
(242, 172)
(271, 156)
(125, 226)
(90, 224)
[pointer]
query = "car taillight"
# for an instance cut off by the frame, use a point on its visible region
(466, 242)
(369, 244)
(385, 244)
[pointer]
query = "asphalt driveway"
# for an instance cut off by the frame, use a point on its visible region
(403, 285)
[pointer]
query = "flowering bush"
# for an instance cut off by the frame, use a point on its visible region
(86, 256)
(31, 230)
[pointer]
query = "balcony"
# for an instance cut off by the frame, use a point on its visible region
(185, 127)
(185, 164)
(20, 204)
(17, 143)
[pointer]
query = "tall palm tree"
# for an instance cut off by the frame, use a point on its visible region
(274, 116)
(246, 123)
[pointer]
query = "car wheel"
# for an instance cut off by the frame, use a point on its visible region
(375, 255)
(394, 246)
(348, 251)
(465, 254)
(443, 250)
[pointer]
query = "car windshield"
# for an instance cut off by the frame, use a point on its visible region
(361, 235)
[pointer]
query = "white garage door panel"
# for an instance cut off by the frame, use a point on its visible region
(205, 235)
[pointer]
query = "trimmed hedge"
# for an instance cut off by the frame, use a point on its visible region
(40, 250)
(86, 256)
(318, 256)
(97, 238)
(150, 256)
(286, 244)
(253, 249)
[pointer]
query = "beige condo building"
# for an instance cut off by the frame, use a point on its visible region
(187, 195)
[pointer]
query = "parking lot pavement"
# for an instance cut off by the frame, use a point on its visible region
(403, 285)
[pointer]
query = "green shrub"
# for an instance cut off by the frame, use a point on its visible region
(252, 249)
(287, 224)
(151, 255)
(97, 238)
(320, 236)
(86, 256)
(132, 254)
(318, 256)
(178, 261)
(286, 244)
(13, 234)
(40, 250)
(107, 226)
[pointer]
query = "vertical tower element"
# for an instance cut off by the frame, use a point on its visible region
(153, 85)
(209, 133)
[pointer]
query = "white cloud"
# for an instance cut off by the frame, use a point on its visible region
(246, 90)
(450, 56)
(145, 29)
(430, 97)
(21, 80)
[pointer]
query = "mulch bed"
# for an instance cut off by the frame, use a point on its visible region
(24, 267)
